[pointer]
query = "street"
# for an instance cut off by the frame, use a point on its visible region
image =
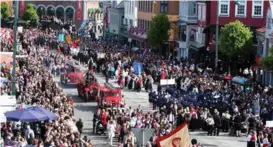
(85, 110)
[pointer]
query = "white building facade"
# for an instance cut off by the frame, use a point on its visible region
(266, 42)
(187, 23)
(130, 13)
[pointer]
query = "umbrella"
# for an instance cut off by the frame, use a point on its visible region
(25, 115)
(3, 80)
(50, 115)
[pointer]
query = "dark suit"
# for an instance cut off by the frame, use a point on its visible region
(217, 124)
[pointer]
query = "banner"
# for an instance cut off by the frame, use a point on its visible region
(142, 135)
(269, 124)
(179, 137)
(138, 67)
(68, 39)
(167, 82)
(61, 37)
(79, 10)
(21, 7)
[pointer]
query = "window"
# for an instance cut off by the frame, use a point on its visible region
(268, 23)
(182, 33)
(131, 22)
(164, 6)
(240, 8)
(192, 9)
(257, 8)
(224, 7)
(200, 12)
(151, 6)
(69, 14)
(140, 5)
(125, 22)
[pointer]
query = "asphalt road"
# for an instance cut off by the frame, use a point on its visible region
(85, 110)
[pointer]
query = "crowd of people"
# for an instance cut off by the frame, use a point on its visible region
(36, 86)
(206, 100)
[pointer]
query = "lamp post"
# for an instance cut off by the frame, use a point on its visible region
(15, 21)
(130, 41)
(217, 36)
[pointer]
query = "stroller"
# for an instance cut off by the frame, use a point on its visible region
(100, 129)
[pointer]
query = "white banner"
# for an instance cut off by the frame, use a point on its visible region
(269, 124)
(167, 82)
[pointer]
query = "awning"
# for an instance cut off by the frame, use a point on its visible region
(195, 46)
(137, 38)
(115, 99)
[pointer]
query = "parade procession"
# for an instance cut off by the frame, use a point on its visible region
(129, 74)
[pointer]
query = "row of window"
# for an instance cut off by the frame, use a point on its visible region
(145, 6)
(145, 24)
(241, 7)
(128, 22)
(129, 7)
(60, 12)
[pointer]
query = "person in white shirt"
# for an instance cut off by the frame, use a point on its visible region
(111, 132)
(210, 122)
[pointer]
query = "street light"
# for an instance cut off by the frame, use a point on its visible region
(15, 21)
(130, 41)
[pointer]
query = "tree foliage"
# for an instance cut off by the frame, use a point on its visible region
(235, 38)
(31, 15)
(267, 61)
(5, 11)
(158, 33)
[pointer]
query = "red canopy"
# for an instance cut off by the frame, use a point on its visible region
(228, 77)
(115, 99)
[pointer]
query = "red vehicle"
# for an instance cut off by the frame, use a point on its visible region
(72, 75)
(109, 96)
(88, 92)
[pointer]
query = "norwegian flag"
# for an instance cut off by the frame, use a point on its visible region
(137, 30)
(132, 29)
(106, 17)
(142, 31)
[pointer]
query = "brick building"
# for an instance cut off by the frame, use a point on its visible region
(146, 11)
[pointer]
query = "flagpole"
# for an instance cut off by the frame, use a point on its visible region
(217, 36)
(15, 21)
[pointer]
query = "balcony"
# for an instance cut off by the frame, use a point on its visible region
(124, 29)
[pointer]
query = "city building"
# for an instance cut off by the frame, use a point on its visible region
(74, 11)
(95, 22)
(187, 29)
(251, 13)
(129, 21)
(264, 43)
(146, 11)
(114, 20)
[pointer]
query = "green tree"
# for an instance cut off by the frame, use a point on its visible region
(31, 15)
(158, 32)
(5, 11)
(235, 39)
(267, 61)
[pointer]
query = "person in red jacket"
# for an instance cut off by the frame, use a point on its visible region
(103, 117)
(163, 75)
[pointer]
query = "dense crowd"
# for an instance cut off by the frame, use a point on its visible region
(35, 86)
(206, 100)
